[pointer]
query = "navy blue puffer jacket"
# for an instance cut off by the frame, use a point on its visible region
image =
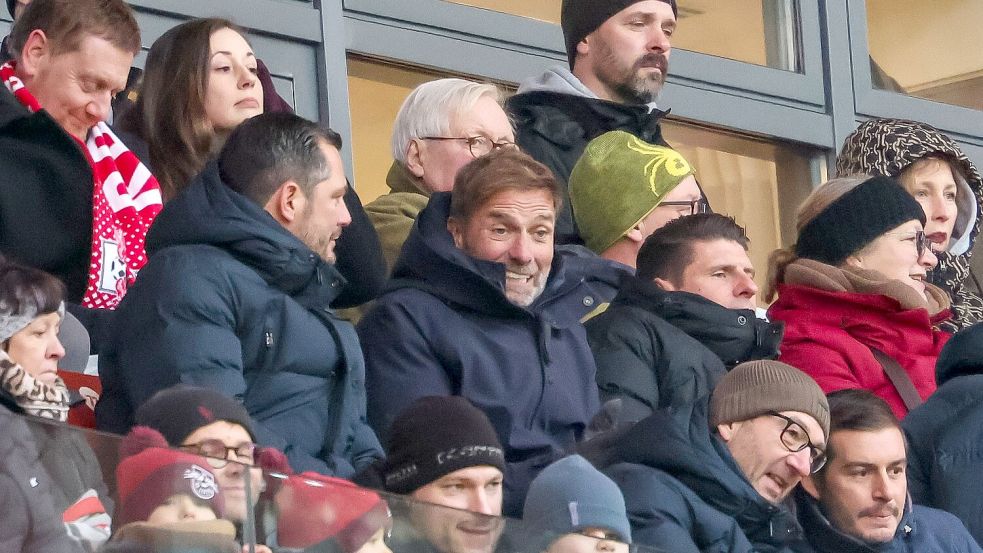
(231, 300)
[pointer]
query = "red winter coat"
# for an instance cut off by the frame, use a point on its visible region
(828, 335)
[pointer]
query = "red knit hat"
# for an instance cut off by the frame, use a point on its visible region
(149, 473)
(314, 508)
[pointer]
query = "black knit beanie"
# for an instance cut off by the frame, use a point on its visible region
(856, 219)
(178, 411)
(579, 18)
(436, 436)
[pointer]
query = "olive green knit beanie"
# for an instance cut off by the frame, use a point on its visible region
(617, 181)
(757, 388)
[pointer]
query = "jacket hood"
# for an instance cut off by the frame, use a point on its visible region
(733, 335)
(824, 537)
(430, 261)
(889, 146)
(962, 355)
(210, 213)
(679, 442)
(561, 80)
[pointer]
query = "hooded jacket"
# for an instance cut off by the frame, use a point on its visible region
(231, 300)
(945, 437)
(833, 317)
(921, 530)
(556, 116)
(45, 196)
(31, 522)
(445, 327)
(658, 349)
(888, 147)
(685, 492)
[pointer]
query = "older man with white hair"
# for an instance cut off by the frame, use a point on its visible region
(441, 127)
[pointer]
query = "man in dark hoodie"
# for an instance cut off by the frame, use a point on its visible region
(858, 502)
(684, 320)
(236, 298)
(711, 476)
(618, 51)
(480, 306)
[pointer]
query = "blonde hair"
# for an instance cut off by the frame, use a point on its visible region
(817, 202)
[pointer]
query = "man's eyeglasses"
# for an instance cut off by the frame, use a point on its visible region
(478, 145)
(218, 453)
(699, 205)
(795, 438)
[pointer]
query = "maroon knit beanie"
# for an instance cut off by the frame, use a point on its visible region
(149, 474)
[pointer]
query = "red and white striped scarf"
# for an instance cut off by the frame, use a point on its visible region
(125, 200)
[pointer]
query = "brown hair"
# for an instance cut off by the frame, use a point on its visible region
(67, 22)
(170, 112)
(669, 250)
(816, 203)
(859, 411)
(503, 169)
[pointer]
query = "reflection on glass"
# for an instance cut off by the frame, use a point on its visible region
(929, 53)
(759, 183)
(762, 32)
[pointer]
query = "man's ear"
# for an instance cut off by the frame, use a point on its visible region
(665, 284)
(414, 159)
(287, 203)
(727, 430)
(636, 234)
(809, 485)
(457, 232)
(36, 49)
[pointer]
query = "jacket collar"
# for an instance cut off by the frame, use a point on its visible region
(399, 179)
(210, 213)
(733, 335)
(824, 537)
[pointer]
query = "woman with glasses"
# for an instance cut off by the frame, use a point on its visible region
(936, 172)
(854, 295)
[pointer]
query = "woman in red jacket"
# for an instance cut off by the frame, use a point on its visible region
(853, 294)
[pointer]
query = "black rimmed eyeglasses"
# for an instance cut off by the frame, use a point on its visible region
(922, 241)
(217, 453)
(698, 205)
(795, 438)
(478, 145)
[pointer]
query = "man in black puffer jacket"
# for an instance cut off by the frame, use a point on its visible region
(236, 298)
(684, 320)
(710, 477)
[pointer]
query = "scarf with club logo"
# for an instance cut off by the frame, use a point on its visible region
(125, 200)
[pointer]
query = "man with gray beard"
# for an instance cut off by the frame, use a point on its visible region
(481, 306)
(618, 54)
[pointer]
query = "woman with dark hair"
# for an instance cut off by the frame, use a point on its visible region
(936, 172)
(201, 80)
(854, 296)
(31, 310)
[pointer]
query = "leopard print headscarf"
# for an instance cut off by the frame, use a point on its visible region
(49, 401)
(887, 147)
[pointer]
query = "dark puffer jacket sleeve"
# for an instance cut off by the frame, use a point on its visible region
(625, 357)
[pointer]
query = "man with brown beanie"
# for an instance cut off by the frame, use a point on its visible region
(443, 451)
(618, 54)
(712, 475)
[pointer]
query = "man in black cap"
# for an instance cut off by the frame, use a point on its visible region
(443, 451)
(618, 54)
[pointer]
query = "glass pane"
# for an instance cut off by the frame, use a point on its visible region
(929, 52)
(762, 32)
(758, 182)
(376, 90)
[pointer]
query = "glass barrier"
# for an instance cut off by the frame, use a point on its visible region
(121, 495)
